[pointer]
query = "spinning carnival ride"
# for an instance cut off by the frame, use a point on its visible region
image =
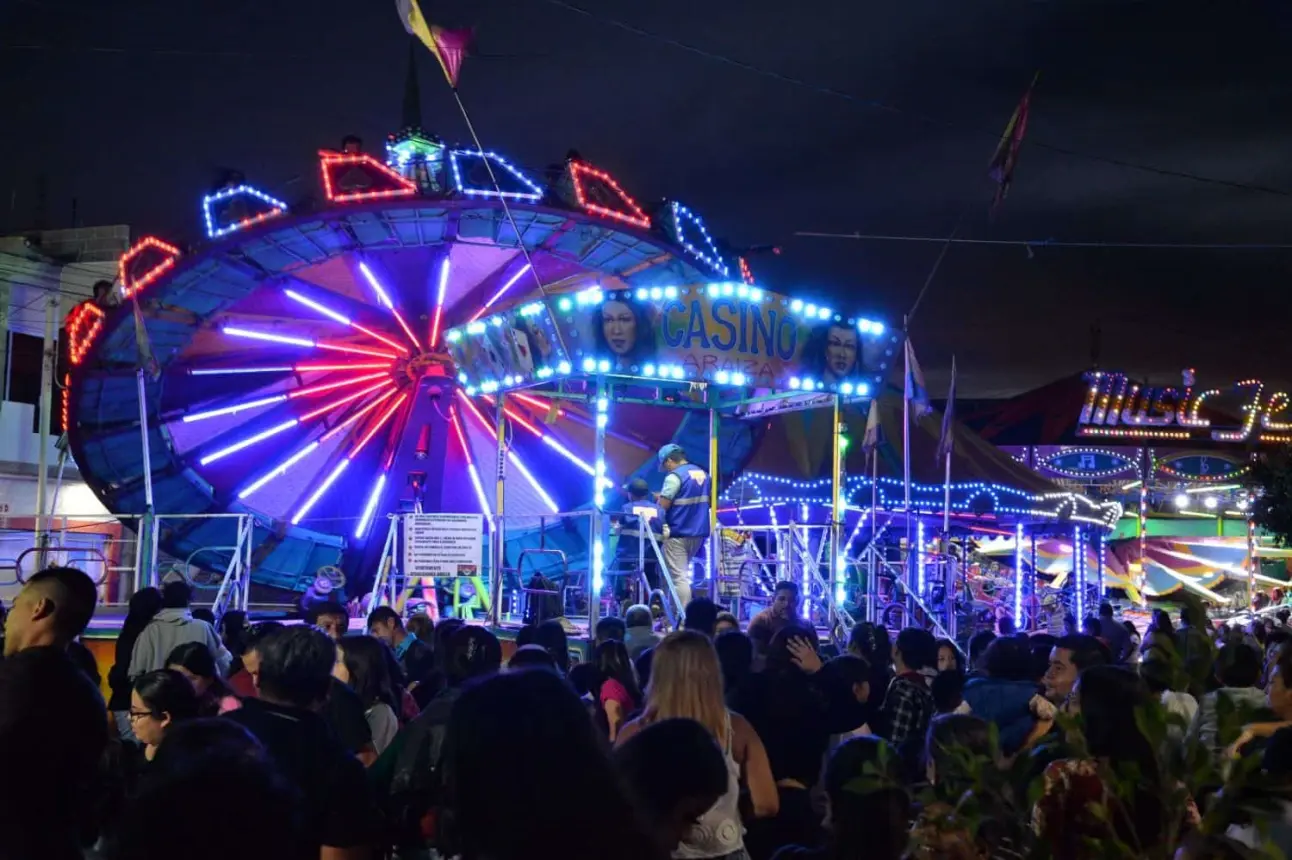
(318, 370)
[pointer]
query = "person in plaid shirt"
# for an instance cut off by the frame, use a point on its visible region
(908, 704)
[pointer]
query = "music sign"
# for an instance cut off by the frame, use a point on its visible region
(1247, 411)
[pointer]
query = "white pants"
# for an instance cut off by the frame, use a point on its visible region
(678, 552)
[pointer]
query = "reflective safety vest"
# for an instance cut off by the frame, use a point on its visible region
(638, 515)
(688, 516)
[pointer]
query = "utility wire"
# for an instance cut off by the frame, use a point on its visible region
(892, 109)
(1031, 244)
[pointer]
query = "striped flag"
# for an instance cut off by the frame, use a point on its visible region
(147, 361)
(917, 393)
(946, 442)
(1005, 158)
(448, 46)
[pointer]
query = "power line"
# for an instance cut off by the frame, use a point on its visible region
(888, 108)
(1031, 244)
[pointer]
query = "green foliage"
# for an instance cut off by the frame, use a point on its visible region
(1272, 509)
(990, 801)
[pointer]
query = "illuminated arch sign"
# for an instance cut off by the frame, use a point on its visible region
(1247, 411)
(725, 333)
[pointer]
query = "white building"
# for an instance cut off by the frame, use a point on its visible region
(35, 269)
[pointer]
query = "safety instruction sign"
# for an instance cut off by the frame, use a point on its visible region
(443, 544)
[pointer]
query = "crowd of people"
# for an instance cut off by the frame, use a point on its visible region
(409, 739)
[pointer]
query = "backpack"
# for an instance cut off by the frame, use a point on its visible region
(411, 808)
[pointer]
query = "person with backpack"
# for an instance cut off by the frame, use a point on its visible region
(407, 776)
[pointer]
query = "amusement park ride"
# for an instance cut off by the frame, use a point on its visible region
(442, 375)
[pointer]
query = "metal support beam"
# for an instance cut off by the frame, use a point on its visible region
(715, 530)
(599, 525)
(498, 546)
(48, 363)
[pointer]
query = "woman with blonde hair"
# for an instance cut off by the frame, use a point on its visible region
(686, 683)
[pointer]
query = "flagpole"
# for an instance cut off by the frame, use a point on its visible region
(872, 586)
(949, 444)
(144, 553)
(906, 457)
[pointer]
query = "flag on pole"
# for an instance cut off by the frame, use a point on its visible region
(1005, 158)
(448, 46)
(874, 436)
(946, 442)
(917, 394)
(147, 362)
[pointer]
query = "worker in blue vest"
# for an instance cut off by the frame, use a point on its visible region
(640, 515)
(684, 499)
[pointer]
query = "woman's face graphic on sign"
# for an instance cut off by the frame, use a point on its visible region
(841, 351)
(619, 326)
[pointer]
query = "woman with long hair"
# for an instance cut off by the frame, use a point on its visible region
(361, 663)
(871, 822)
(616, 692)
(796, 705)
(144, 604)
(686, 683)
(194, 661)
(949, 657)
(158, 700)
(510, 795)
(1107, 699)
(871, 641)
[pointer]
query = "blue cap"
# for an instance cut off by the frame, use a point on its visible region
(668, 450)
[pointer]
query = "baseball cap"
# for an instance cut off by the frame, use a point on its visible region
(668, 450)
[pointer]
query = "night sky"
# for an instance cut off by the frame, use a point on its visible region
(888, 131)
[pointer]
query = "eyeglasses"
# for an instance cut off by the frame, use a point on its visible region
(139, 715)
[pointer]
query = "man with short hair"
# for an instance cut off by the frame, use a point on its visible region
(1114, 633)
(295, 679)
(1069, 657)
(640, 630)
(701, 615)
(641, 516)
(1238, 669)
(172, 627)
(684, 498)
(330, 617)
(415, 656)
(908, 705)
(53, 728)
(770, 621)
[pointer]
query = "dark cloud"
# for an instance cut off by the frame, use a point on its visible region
(1187, 87)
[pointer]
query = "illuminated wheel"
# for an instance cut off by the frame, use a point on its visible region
(301, 373)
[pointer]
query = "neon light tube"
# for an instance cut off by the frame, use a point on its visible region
(230, 371)
(511, 455)
(267, 336)
(247, 443)
(471, 469)
(357, 350)
(311, 390)
(520, 467)
(517, 417)
(279, 469)
(376, 401)
(378, 425)
(520, 273)
(229, 410)
(318, 494)
(371, 507)
(408, 331)
(533, 401)
(349, 398)
(313, 305)
(1018, 575)
(376, 365)
(440, 290)
(372, 281)
(569, 455)
(342, 318)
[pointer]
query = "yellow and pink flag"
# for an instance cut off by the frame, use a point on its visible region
(448, 46)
